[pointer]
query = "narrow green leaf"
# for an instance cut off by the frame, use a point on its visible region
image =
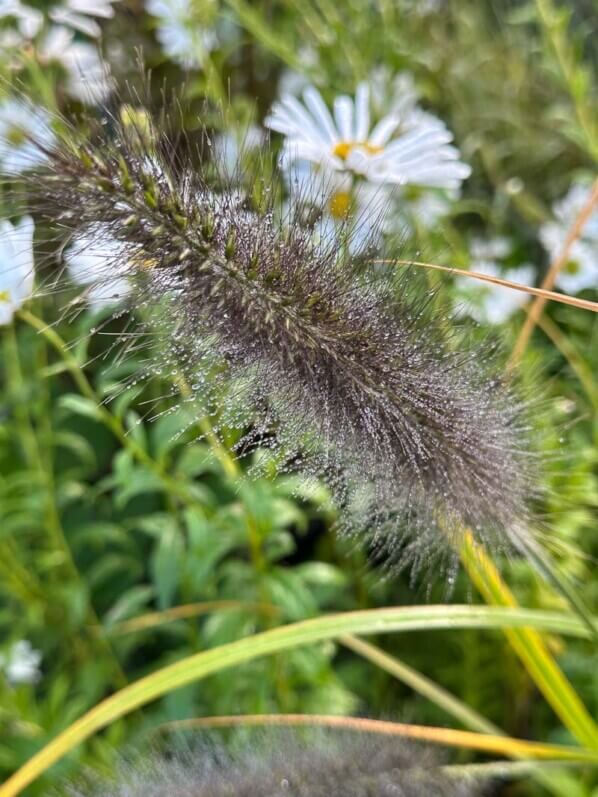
(198, 666)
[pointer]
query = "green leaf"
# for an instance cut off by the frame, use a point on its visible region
(77, 445)
(129, 604)
(80, 405)
(167, 564)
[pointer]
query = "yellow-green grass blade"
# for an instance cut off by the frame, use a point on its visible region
(452, 705)
(200, 665)
(469, 718)
(531, 649)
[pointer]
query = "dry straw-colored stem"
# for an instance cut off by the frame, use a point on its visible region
(431, 734)
(541, 293)
(557, 264)
(186, 612)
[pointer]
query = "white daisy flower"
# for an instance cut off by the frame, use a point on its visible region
(411, 148)
(16, 266)
(21, 125)
(350, 208)
(21, 664)
(80, 15)
(97, 259)
(181, 35)
(581, 271)
(488, 303)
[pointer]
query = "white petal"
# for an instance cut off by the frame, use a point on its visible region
(16, 263)
(93, 8)
(343, 116)
(7, 311)
(63, 16)
(56, 42)
(362, 112)
(108, 292)
(291, 118)
(384, 130)
(315, 103)
(417, 140)
(30, 21)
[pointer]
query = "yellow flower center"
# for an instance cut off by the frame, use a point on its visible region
(139, 261)
(4, 296)
(572, 267)
(16, 136)
(339, 204)
(343, 149)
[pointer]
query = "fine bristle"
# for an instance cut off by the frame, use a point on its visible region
(344, 365)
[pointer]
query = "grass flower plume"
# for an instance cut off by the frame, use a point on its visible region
(347, 368)
(341, 765)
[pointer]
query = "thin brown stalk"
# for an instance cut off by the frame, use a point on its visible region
(184, 612)
(541, 293)
(555, 267)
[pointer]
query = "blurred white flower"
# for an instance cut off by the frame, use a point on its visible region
(79, 15)
(406, 147)
(29, 20)
(21, 126)
(9, 40)
(482, 250)
(493, 304)
(87, 74)
(424, 209)
(16, 266)
(581, 271)
(422, 8)
(488, 303)
(292, 82)
(393, 92)
(349, 208)
(229, 147)
(97, 259)
(182, 37)
(21, 664)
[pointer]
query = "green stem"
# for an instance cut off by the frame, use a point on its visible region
(556, 34)
(424, 686)
(111, 422)
(436, 694)
(53, 521)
